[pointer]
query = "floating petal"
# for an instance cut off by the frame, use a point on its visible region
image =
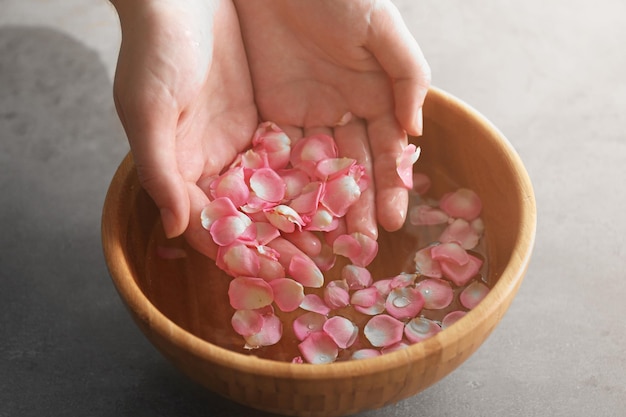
(450, 252)
(359, 248)
(288, 294)
(383, 330)
(437, 293)
(357, 277)
(319, 348)
(426, 265)
(368, 301)
(452, 318)
(308, 323)
(247, 293)
(402, 280)
(420, 328)
(341, 330)
(247, 322)
(396, 346)
(461, 274)
(315, 304)
(365, 354)
(460, 231)
(336, 294)
(271, 332)
(404, 303)
(425, 215)
(463, 203)
(473, 294)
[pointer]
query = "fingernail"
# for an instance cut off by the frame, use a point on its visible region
(169, 223)
(419, 122)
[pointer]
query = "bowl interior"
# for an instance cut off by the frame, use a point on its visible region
(186, 298)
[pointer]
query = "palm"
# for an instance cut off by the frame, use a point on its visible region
(311, 64)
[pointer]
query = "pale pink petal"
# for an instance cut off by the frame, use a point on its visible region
(339, 194)
(231, 185)
(284, 218)
(425, 264)
(315, 304)
(383, 286)
(247, 322)
(368, 301)
(421, 183)
(322, 221)
(357, 277)
(306, 203)
(478, 225)
(251, 159)
(304, 270)
(319, 348)
(238, 260)
(313, 148)
(270, 333)
(402, 280)
(341, 330)
(473, 294)
(268, 185)
(383, 330)
(333, 167)
(450, 252)
(295, 180)
(365, 354)
(404, 164)
(288, 294)
(425, 215)
(226, 230)
(265, 232)
(246, 293)
(170, 253)
(216, 209)
(359, 248)
(437, 293)
(326, 258)
(461, 274)
(395, 347)
(420, 328)
(404, 303)
(308, 323)
(451, 318)
(271, 139)
(461, 232)
(463, 203)
(298, 360)
(336, 294)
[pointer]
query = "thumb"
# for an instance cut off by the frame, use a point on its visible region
(399, 54)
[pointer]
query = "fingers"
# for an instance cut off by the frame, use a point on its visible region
(397, 51)
(198, 237)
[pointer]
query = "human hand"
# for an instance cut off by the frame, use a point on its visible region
(313, 62)
(183, 93)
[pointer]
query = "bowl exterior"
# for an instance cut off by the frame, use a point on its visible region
(347, 387)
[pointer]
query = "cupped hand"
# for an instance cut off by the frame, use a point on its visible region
(183, 93)
(315, 63)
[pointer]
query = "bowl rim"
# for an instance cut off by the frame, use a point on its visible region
(508, 282)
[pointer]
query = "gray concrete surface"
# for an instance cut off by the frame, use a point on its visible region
(550, 74)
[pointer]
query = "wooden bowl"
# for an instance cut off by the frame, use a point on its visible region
(175, 305)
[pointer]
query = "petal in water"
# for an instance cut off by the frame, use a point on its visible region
(463, 203)
(451, 318)
(461, 274)
(402, 280)
(359, 248)
(425, 215)
(460, 231)
(288, 294)
(271, 332)
(315, 304)
(426, 265)
(404, 303)
(247, 322)
(383, 330)
(341, 330)
(368, 301)
(365, 354)
(450, 252)
(437, 293)
(357, 277)
(473, 294)
(319, 348)
(247, 293)
(308, 323)
(420, 328)
(336, 294)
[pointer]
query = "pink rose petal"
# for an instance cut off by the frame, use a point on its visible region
(238, 260)
(217, 209)
(357, 277)
(315, 304)
(359, 248)
(365, 354)
(307, 202)
(332, 167)
(368, 301)
(460, 231)
(268, 185)
(247, 322)
(308, 323)
(383, 330)
(402, 280)
(336, 294)
(421, 183)
(461, 274)
(247, 293)
(404, 164)
(404, 303)
(473, 294)
(420, 328)
(462, 203)
(343, 331)
(313, 149)
(322, 221)
(227, 229)
(288, 294)
(450, 252)
(284, 218)
(271, 332)
(319, 348)
(270, 139)
(425, 215)
(295, 180)
(437, 293)
(451, 318)
(340, 194)
(231, 185)
(426, 265)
